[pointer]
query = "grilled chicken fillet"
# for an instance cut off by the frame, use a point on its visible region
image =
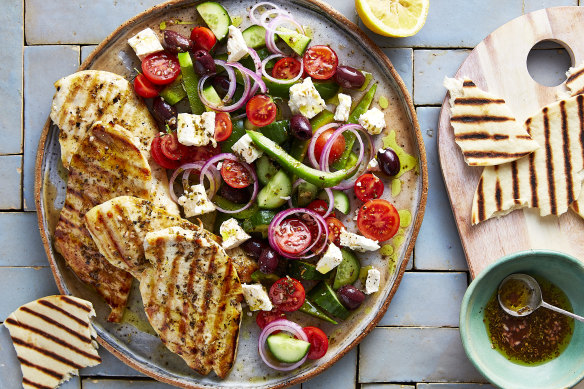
(107, 164)
(192, 297)
(88, 96)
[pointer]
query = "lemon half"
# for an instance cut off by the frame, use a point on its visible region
(395, 18)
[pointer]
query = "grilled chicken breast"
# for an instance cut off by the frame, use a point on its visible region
(484, 126)
(53, 338)
(88, 96)
(107, 164)
(119, 226)
(192, 297)
(549, 179)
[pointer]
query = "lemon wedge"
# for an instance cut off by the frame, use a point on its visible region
(394, 18)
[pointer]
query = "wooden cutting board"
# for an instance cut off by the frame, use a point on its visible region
(499, 65)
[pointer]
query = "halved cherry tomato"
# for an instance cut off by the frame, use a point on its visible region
(314, 233)
(203, 39)
(159, 157)
(334, 229)
(337, 148)
(235, 175)
(368, 187)
(266, 317)
(170, 147)
(144, 87)
(287, 294)
(200, 153)
(319, 206)
(318, 342)
(378, 220)
(261, 110)
(223, 126)
(320, 62)
(292, 236)
(161, 68)
(286, 68)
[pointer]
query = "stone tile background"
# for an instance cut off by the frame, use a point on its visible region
(416, 344)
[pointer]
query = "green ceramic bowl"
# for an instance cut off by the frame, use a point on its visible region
(565, 371)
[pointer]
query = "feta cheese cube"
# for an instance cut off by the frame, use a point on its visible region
(196, 130)
(372, 281)
(246, 149)
(304, 99)
(236, 46)
(195, 201)
(233, 235)
(145, 43)
(373, 165)
(330, 259)
(256, 297)
(357, 242)
(344, 108)
(373, 121)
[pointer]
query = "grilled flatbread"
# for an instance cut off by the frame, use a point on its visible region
(53, 338)
(119, 226)
(549, 179)
(107, 164)
(192, 297)
(88, 96)
(484, 127)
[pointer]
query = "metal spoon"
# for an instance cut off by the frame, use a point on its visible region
(531, 301)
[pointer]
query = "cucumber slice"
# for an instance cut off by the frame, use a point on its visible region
(265, 169)
(254, 36)
(326, 298)
(285, 348)
(305, 271)
(274, 194)
(216, 18)
(231, 206)
(262, 217)
(306, 193)
(348, 270)
(341, 200)
(211, 95)
(311, 309)
(294, 39)
(264, 279)
(259, 229)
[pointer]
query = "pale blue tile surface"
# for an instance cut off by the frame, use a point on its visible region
(20, 240)
(397, 354)
(386, 386)
(86, 50)
(90, 383)
(438, 247)
(454, 386)
(532, 5)
(403, 62)
(12, 33)
(23, 285)
(84, 21)
(11, 179)
(110, 367)
(430, 67)
(427, 300)
(43, 65)
(340, 376)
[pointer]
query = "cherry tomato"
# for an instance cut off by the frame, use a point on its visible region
(318, 342)
(378, 220)
(235, 175)
(200, 153)
(334, 227)
(337, 148)
(319, 206)
(266, 317)
(223, 126)
(314, 233)
(286, 68)
(203, 39)
(261, 110)
(320, 62)
(144, 87)
(287, 294)
(159, 157)
(161, 68)
(170, 147)
(292, 236)
(368, 187)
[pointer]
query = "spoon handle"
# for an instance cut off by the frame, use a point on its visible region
(560, 310)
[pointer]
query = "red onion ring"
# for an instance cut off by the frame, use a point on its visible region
(257, 78)
(183, 168)
(278, 12)
(210, 164)
(252, 17)
(271, 31)
(256, 60)
(230, 108)
(277, 80)
(275, 223)
(315, 136)
(232, 80)
(280, 325)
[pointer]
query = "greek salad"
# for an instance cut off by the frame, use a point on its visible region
(263, 150)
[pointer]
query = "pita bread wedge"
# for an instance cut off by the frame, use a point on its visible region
(484, 127)
(549, 179)
(53, 338)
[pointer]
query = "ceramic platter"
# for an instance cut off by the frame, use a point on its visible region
(133, 341)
